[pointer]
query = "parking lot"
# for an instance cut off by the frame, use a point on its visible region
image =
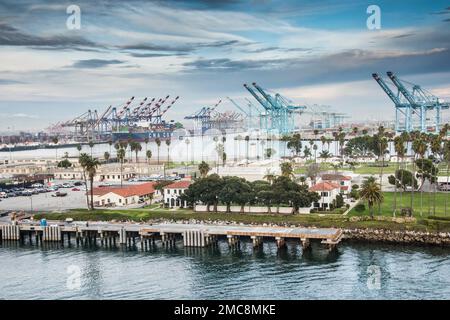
(46, 200)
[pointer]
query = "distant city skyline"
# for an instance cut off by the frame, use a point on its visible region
(313, 52)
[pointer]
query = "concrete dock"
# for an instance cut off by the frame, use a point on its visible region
(146, 235)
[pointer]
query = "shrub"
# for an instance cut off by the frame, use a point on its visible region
(360, 207)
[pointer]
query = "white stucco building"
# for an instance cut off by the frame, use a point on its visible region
(172, 193)
(328, 192)
(127, 195)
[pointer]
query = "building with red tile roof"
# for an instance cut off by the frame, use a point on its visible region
(126, 195)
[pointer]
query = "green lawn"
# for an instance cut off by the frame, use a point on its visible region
(307, 220)
(427, 204)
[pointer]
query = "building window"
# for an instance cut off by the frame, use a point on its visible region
(324, 194)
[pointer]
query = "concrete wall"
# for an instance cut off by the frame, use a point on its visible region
(250, 209)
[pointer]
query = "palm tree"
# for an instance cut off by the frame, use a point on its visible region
(286, 169)
(419, 147)
(136, 147)
(106, 155)
(399, 145)
(247, 139)
(91, 169)
(55, 140)
(269, 176)
(446, 153)
(110, 142)
(323, 140)
(79, 147)
(148, 155)
(146, 140)
(383, 144)
(91, 145)
(168, 153)
(83, 160)
(158, 144)
(371, 192)
(436, 149)
(204, 168)
(121, 158)
(355, 130)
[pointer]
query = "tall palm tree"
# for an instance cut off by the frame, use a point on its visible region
(91, 169)
(83, 160)
(158, 144)
(399, 145)
(79, 147)
(146, 140)
(247, 139)
(204, 168)
(383, 144)
(110, 142)
(371, 192)
(106, 155)
(148, 155)
(323, 140)
(446, 153)
(55, 140)
(91, 145)
(286, 169)
(136, 148)
(419, 147)
(168, 141)
(436, 150)
(121, 157)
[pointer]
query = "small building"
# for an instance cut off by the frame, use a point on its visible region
(345, 182)
(172, 194)
(328, 192)
(123, 196)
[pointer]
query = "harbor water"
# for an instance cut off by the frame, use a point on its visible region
(355, 271)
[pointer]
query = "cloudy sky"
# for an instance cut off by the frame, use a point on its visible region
(313, 52)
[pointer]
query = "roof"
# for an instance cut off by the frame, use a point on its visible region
(324, 186)
(127, 191)
(344, 187)
(182, 184)
(329, 176)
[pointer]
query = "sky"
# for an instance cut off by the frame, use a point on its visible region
(312, 52)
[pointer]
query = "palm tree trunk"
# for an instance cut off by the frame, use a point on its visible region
(395, 194)
(401, 188)
(86, 185)
(92, 192)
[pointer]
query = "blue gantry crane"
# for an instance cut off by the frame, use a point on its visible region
(279, 112)
(412, 103)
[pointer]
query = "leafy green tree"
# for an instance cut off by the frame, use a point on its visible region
(64, 164)
(295, 144)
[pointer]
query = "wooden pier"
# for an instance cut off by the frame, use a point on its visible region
(192, 235)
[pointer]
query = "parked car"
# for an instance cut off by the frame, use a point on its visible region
(75, 189)
(37, 185)
(59, 194)
(3, 194)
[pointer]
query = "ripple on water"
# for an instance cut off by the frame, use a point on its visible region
(406, 273)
